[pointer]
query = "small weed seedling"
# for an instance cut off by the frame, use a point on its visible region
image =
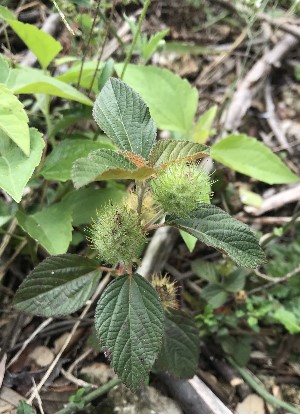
(136, 321)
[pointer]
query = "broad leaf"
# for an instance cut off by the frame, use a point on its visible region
(202, 129)
(51, 227)
(189, 240)
(214, 227)
(106, 73)
(205, 270)
(14, 120)
(86, 74)
(215, 295)
(129, 322)
(44, 46)
(251, 157)
(180, 347)
(105, 164)
(287, 319)
(86, 201)
(15, 167)
(60, 285)
(172, 101)
(27, 80)
(236, 280)
(4, 69)
(124, 117)
(59, 162)
(24, 408)
(6, 14)
(169, 151)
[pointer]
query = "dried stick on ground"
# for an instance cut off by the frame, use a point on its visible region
(276, 201)
(194, 396)
(158, 251)
(249, 86)
(272, 119)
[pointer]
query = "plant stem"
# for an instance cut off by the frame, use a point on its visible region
(141, 188)
(138, 29)
(73, 407)
(252, 381)
(86, 47)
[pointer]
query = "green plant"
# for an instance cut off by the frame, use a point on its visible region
(130, 318)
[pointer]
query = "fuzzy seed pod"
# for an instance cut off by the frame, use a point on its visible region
(117, 235)
(166, 290)
(180, 187)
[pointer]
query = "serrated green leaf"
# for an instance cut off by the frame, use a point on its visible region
(58, 164)
(16, 168)
(214, 227)
(129, 322)
(105, 164)
(60, 285)
(203, 126)
(28, 80)
(287, 319)
(43, 45)
(172, 100)
(239, 348)
(51, 227)
(124, 117)
(4, 69)
(205, 270)
(14, 120)
(85, 202)
(236, 280)
(180, 348)
(169, 151)
(251, 157)
(215, 295)
(24, 408)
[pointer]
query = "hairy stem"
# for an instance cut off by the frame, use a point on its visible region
(140, 189)
(73, 407)
(86, 48)
(259, 389)
(136, 35)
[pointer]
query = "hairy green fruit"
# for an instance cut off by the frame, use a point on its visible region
(117, 235)
(180, 187)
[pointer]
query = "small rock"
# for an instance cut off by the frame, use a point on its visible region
(97, 373)
(146, 400)
(253, 404)
(42, 356)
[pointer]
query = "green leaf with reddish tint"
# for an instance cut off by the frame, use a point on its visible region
(105, 164)
(167, 152)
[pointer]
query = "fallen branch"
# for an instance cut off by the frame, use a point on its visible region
(249, 86)
(276, 201)
(194, 396)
